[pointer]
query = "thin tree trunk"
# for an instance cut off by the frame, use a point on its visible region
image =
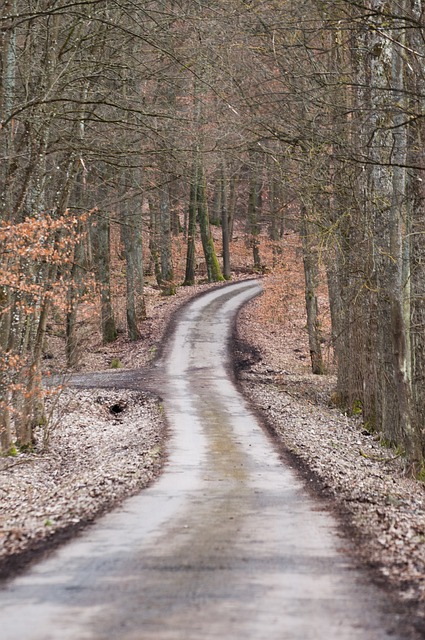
(134, 274)
(131, 313)
(254, 207)
(233, 194)
(7, 98)
(215, 218)
(102, 237)
(311, 278)
(213, 268)
(74, 294)
(167, 269)
(225, 222)
(154, 263)
(5, 426)
(33, 413)
(175, 220)
(275, 203)
(191, 232)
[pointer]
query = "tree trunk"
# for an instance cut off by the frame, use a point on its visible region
(254, 207)
(276, 218)
(174, 200)
(7, 98)
(215, 218)
(189, 279)
(233, 195)
(74, 294)
(33, 413)
(102, 240)
(154, 263)
(399, 271)
(311, 278)
(225, 223)
(414, 263)
(134, 278)
(167, 269)
(213, 268)
(5, 426)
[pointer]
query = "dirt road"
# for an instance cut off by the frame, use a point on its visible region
(226, 544)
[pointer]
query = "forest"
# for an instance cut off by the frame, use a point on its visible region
(159, 121)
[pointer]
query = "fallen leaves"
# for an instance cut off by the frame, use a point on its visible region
(93, 461)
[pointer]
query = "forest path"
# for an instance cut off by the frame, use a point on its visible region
(225, 545)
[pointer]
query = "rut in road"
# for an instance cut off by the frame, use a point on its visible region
(226, 544)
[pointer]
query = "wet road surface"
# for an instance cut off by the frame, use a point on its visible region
(225, 545)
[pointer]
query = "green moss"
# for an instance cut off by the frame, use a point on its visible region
(168, 289)
(216, 275)
(13, 451)
(357, 408)
(116, 363)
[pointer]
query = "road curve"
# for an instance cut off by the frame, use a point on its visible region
(225, 545)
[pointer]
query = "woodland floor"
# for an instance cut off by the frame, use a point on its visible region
(104, 445)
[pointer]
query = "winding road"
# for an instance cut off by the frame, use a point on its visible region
(227, 544)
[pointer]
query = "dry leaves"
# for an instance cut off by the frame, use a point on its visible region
(104, 445)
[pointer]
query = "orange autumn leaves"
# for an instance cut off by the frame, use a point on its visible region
(36, 262)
